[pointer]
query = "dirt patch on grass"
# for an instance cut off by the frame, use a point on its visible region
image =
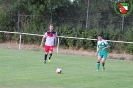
(15, 45)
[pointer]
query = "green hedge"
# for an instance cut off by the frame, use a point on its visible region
(78, 44)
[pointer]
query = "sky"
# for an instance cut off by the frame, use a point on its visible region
(71, 0)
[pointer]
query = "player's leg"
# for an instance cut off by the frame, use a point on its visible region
(103, 60)
(46, 49)
(50, 52)
(50, 55)
(103, 63)
(98, 62)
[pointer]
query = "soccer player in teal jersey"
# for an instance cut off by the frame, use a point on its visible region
(102, 51)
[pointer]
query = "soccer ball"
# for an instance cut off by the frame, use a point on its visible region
(58, 70)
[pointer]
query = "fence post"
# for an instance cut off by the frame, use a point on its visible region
(58, 45)
(20, 37)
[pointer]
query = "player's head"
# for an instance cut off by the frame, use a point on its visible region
(51, 27)
(99, 37)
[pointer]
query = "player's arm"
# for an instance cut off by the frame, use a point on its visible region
(43, 40)
(97, 50)
(107, 45)
(55, 40)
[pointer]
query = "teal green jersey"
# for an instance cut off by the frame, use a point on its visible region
(101, 44)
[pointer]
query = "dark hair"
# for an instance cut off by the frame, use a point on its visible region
(51, 25)
(100, 35)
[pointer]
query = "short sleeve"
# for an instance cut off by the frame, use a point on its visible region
(45, 35)
(97, 46)
(106, 43)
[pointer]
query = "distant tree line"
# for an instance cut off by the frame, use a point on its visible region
(69, 19)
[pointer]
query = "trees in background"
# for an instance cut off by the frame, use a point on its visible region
(69, 19)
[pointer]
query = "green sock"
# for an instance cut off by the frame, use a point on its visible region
(98, 65)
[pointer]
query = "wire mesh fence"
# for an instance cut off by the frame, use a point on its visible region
(68, 20)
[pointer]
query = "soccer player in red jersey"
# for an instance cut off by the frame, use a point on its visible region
(50, 37)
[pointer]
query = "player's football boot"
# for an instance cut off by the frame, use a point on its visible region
(44, 61)
(103, 69)
(49, 60)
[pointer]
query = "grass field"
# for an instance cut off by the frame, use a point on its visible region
(25, 69)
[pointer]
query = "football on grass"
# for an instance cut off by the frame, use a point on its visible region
(58, 70)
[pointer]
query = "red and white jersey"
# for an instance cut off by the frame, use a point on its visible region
(50, 36)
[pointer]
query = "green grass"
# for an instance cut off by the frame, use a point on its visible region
(25, 69)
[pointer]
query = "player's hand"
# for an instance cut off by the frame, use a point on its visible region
(103, 48)
(55, 45)
(96, 54)
(41, 45)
